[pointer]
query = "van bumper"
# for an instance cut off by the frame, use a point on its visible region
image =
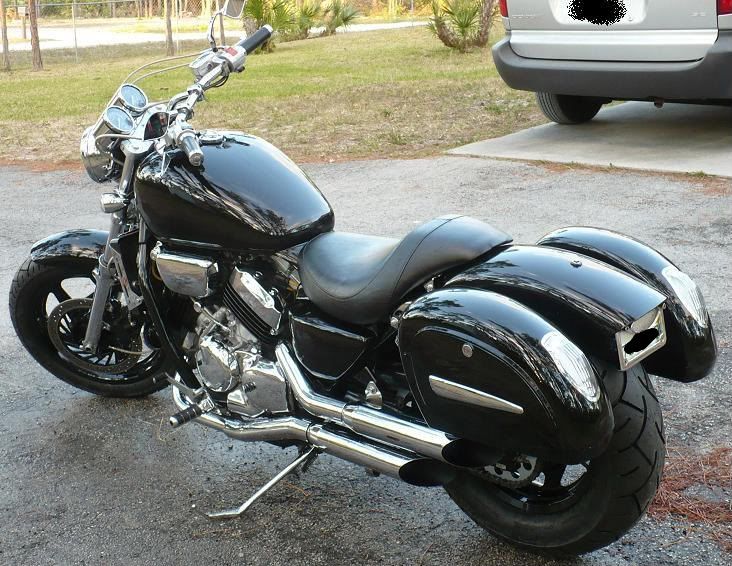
(707, 79)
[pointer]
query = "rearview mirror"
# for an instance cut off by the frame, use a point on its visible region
(234, 8)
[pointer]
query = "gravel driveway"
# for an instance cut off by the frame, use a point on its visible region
(87, 480)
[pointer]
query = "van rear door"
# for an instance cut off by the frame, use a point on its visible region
(613, 30)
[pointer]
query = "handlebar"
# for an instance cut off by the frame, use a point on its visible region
(257, 39)
(188, 142)
(208, 70)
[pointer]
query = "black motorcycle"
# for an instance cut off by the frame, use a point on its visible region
(514, 376)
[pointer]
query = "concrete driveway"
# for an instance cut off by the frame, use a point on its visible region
(87, 480)
(676, 138)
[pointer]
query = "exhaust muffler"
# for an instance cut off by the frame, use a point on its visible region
(391, 461)
(379, 425)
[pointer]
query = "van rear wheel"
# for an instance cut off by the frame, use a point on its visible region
(566, 109)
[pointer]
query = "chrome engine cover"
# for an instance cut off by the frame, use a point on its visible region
(263, 389)
(228, 360)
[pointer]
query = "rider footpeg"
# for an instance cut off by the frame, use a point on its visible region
(190, 413)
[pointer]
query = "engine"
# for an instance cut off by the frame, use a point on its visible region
(226, 344)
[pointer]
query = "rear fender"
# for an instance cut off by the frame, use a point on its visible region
(82, 243)
(691, 350)
(480, 367)
(587, 300)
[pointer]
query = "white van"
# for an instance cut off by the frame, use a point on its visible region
(577, 55)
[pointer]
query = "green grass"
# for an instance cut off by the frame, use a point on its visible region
(396, 93)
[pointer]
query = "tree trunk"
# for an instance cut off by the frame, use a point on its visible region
(222, 29)
(169, 45)
(35, 42)
(487, 16)
(5, 65)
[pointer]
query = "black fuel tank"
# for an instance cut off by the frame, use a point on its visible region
(246, 195)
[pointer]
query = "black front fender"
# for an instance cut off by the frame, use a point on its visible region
(587, 300)
(691, 349)
(81, 243)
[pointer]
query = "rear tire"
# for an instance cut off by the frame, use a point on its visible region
(611, 496)
(566, 109)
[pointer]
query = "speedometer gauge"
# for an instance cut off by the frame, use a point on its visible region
(118, 120)
(131, 98)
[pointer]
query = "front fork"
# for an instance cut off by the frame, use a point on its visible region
(110, 264)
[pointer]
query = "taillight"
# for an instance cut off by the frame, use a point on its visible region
(504, 6)
(723, 7)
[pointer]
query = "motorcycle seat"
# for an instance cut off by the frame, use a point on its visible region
(362, 279)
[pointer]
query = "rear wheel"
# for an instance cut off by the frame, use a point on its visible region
(570, 510)
(565, 109)
(49, 307)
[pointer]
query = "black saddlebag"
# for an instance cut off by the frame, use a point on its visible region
(484, 367)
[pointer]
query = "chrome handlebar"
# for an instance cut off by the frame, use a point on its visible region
(208, 69)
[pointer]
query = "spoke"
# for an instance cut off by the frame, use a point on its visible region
(553, 474)
(60, 294)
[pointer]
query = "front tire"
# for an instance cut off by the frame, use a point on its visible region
(599, 507)
(568, 110)
(36, 288)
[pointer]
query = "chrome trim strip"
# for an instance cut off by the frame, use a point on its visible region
(464, 394)
(256, 298)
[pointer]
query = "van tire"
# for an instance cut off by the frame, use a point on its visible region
(566, 109)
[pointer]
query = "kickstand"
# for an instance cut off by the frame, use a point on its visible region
(305, 458)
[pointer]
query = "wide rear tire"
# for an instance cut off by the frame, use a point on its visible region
(568, 110)
(603, 504)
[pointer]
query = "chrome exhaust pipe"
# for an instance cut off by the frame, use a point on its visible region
(375, 424)
(401, 464)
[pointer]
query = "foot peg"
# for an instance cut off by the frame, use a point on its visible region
(190, 413)
(305, 459)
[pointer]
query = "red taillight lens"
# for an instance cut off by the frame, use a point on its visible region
(504, 6)
(723, 7)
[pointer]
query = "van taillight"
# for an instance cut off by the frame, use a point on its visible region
(723, 7)
(504, 6)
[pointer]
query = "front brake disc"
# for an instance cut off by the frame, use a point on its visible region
(66, 328)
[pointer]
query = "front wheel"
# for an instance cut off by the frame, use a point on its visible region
(49, 307)
(571, 510)
(565, 109)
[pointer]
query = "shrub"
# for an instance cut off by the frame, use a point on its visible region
(277, 13)
(338, 14)
(463, 24)
(307, 17)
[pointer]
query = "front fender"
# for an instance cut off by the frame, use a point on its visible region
(588, 301)
(691, 348)
(80, 243)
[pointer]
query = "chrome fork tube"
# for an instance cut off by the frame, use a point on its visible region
(105, 277)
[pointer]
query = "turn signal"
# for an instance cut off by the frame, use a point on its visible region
(504, 6)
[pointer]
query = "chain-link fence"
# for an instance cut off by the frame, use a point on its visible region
(68, 27)
(71, 24)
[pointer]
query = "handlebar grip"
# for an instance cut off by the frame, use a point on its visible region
(256, 40)
(189, 144)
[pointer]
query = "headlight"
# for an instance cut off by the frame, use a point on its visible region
(98, 164)
(645, 336)
(688, 293)
(572, 363)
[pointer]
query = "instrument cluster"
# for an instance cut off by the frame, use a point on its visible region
(129, 115)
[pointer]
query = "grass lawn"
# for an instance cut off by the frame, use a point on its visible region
(395, 93)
